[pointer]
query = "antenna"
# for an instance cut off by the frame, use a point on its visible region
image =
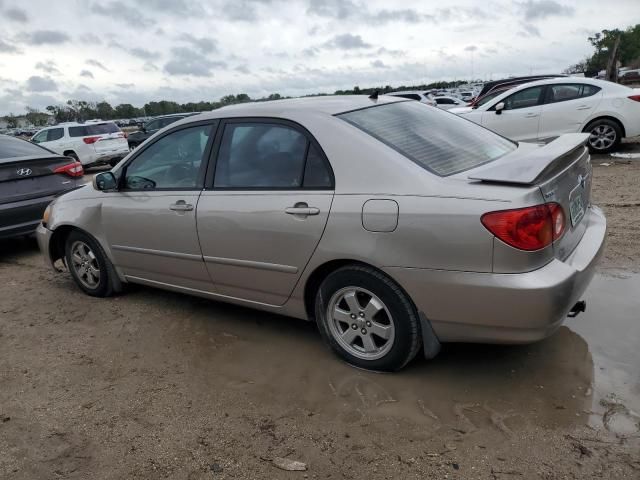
(374, 95)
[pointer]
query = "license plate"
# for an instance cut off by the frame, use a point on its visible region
(576, 208)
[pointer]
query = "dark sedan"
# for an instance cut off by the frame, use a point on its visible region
(30, 177)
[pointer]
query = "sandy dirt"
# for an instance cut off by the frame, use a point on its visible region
(152, 384)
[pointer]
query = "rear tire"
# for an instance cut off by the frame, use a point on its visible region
(90, 267)
(604, 135)
(367, 320)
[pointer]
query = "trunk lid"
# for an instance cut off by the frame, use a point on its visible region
(562, 171)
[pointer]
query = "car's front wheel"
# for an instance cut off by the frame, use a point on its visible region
(89, 265)
(604, 135)
(367, 319)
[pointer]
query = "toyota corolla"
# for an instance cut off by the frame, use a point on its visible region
(393, 225)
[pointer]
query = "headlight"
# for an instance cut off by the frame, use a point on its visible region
(45, 215)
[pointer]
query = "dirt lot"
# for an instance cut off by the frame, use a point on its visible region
(152, 384)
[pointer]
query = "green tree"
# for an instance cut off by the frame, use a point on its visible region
(104, 111)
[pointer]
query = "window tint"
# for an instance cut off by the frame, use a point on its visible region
(101, 128)
(443, 144)
(40, 137)
(16, 147)
(260, 155)
(55, 134)
(77, 131)
(174, 161)
(489, 96)
(444, 101)
(152, 125)
(529, 97)
(167, 121)
(316, 174)
(565, 92)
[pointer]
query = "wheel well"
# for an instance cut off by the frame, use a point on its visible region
(58, 240)
(612, 119)
(67, 152)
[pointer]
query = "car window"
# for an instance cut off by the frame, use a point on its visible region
(168, 121)
(153, 125)
(80, 131)
(173, 161)
(16, 147)
(441, 143)
(488, 96)
(55, 134)
(529, 97)
(410, 96)
(101, 128)
(444, 101)
(316, 173)
(564, 92)
(261, 155)
(40, 137)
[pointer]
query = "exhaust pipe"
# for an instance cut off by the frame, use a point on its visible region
(579, 307)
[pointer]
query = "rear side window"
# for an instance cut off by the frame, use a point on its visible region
(14, 147)
(78, 131)
(564, 92)
(55, 134)
(442, 143)
(93, 129)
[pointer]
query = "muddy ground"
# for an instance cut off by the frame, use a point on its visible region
(152, 384)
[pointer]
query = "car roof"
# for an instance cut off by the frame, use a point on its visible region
(419, 92)
(553, 81)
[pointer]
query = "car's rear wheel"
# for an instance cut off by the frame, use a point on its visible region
(367, 319)
(89, 266)
(604, 135)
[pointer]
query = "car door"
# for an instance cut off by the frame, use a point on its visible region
(265, 209)
(150, 222)
(520, 118)
(567, 107)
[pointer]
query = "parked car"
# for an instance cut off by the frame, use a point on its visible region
(541, 111)
(422, 97)
(152, 126)
(394, 226)
(512, 82)
(630, 76)
(91, 143)
(445, 102)
(30, 177)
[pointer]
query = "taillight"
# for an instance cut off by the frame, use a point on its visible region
(72, 169)
(530, 228)
(635, 97)
(90, 140)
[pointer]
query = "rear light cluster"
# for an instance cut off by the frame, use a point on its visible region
(72, 169)
(530, 228)
(90, 140)
(635, 97)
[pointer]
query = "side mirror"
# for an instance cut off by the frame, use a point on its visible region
(499, 108)
(105, 181)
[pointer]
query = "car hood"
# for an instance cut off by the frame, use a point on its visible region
(461, 110)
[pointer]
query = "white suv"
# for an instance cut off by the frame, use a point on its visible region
(90, 143)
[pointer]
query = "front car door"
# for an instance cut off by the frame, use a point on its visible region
(150, 222)
(520, 118)
(265, 209)
(567, 107)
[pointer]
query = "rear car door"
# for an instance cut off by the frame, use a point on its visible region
(265, 208)
(520, 118)
(567, 107)
(150, 222)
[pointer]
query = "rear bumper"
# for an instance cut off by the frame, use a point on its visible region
(22, 218)
(505, 308)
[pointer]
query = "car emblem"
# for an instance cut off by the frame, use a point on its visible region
(23, 172)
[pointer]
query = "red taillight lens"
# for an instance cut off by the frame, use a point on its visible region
(530, 228)
(635, 97)
(90, 140)
(73, 169)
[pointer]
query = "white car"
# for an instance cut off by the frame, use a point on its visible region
(543, 110)
(415, 95)
(90, 143)
(445, 102)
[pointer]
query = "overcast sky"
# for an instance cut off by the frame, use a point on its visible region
(128, 51)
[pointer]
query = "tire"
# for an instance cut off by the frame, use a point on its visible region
(605, 135)
(99, 274)
(394, 317)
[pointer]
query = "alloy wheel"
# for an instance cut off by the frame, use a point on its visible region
(602, 137)
(85, 264)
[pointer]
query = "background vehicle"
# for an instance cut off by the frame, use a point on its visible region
(290, 220)
(30, 177)
(541, 111)
(90, 143)
(512, 82)
(152, 126)
(445, 102)
(422, 97)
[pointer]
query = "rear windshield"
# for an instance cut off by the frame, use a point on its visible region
(15, 147)
(93, 129)
(440, 142)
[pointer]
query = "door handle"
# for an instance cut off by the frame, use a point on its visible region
(531, 115)
(302, 209)
(583, 107)
(181, 206)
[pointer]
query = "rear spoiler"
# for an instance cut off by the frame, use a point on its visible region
(532, 165)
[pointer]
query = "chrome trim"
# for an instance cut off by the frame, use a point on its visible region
(160, 253)
(274, 267)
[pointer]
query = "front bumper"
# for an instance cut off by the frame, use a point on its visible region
(43, 235)
(505, 308)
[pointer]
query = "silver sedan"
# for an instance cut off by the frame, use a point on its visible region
(393, 225)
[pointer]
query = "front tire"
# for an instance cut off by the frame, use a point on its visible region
(89, 266)
(604, 135)
(366, 319)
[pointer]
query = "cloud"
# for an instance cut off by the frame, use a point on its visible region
(125, 85)
(6, 47)
(143, 53)
(528, 30)
(349, 10)
(90, 38)
(121, 12)
(347, 41)
(242, 69)
(96, 63)
(205, 45)
(17, 15)
(242, 10)
(150, 67)
(470, 48)
(44, 37)
(41, 84)
(86, 73)
(189, 62)
(539, 9)
(378, 64)
(48, 66)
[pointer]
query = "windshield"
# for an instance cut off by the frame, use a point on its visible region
(440, 142)
(487, 97)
